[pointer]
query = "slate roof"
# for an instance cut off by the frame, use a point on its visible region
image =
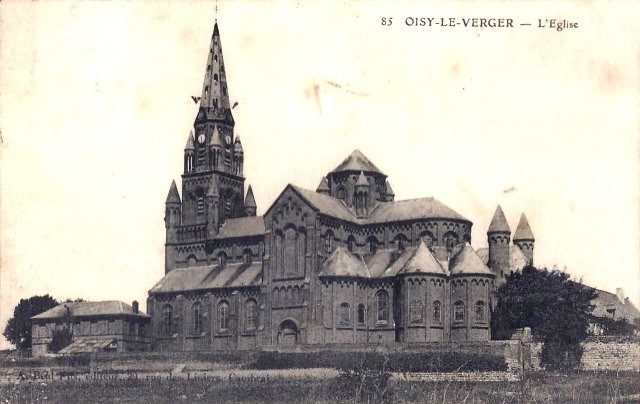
(610, 301)
(173, 196)
(499, 222)
(423, 261)
(523, 231)
(467, 262)
(190, 142)
(409, 209)
(215, 137)
(250, 200)
(210, 277)
(517, 259)
(362, 180)
(90, 309)
(357, 161)
(389, 189)
(387, 263)
(242, 227)
(88, 344)
(323, 186)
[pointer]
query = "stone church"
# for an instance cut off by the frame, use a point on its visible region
(345, 263)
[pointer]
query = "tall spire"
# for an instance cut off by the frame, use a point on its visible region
(523, 231)
(215, 94)
(499, 222)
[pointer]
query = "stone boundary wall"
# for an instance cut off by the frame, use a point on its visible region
(614, 356)
(458, 377)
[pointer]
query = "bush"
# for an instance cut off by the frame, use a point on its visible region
(395, 362)
(367, 381)
(61, 338)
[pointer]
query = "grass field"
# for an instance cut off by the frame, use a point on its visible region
(536, 388)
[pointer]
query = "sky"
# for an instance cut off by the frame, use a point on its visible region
(95, 110)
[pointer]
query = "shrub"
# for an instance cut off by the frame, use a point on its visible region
(61, 338)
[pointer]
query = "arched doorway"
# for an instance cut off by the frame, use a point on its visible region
(288, 333)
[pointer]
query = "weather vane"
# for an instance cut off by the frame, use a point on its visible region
(216, 10)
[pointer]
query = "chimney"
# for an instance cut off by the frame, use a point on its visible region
(134, 306)
(620, 294)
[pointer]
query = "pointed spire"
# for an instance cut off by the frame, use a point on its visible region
(499, 222)
(249, 200)
(362, 180)
(237, 146)
(323, 187)
(191, 142)
(523, 231)
(215, 94)
(389, 189)
(212, 192)
(215, 138)
(173, 196)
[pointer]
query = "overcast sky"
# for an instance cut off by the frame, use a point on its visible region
(95, 110)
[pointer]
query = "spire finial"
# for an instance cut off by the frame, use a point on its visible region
(216, 9)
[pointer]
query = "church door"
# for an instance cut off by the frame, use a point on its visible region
(288, 335)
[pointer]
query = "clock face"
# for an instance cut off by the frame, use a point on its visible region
(201, 138)
(227, 140)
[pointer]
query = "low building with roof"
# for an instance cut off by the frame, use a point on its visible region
(95, 326)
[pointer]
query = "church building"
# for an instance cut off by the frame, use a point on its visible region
(345, 263)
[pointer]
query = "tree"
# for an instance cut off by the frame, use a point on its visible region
(18, 329)
(556, 308)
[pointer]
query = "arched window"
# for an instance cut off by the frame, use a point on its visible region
(382, 307)
(450, 240)
(251, 313)
(458, 311)
(222, 259)
(215, 77)
(215, 57)
(197, 318)
(167, 320)
(223, 316)
(290, 256)
(341, 194)
(480, 311)
(401, 242)
(192, 261)
(428, 239)
(361, 314)
(416, 311)
(372, 243)
(351, 243)
(344, 313)
(437, 312)
(247, 257)
(328, 242)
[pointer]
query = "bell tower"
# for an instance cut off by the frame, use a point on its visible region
(213, 150)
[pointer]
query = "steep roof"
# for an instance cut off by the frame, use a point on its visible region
(190, 142)
(210, 277)
(323, 186)
(343, 263)
(90, 309)
(215, 137)
(362, 180)
(467, 262)
(242, 227)
(357, 161)
(173, 196)
(410, 209)
(609, 301)
(424, 262)
(237, 145)
(249, 200)
(499, 222)
(389, 189)
(523, 231)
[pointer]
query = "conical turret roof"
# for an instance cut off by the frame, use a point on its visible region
(467, 262)
(499, 222)
(323, 186)
(249, 200)
(362, 180)
(191, 142)
(173, 196)
(523, 231)
(423, 262)
(389, 189)
(215, 138)
(237, 146)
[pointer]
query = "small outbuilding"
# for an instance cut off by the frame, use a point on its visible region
(91, 327)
